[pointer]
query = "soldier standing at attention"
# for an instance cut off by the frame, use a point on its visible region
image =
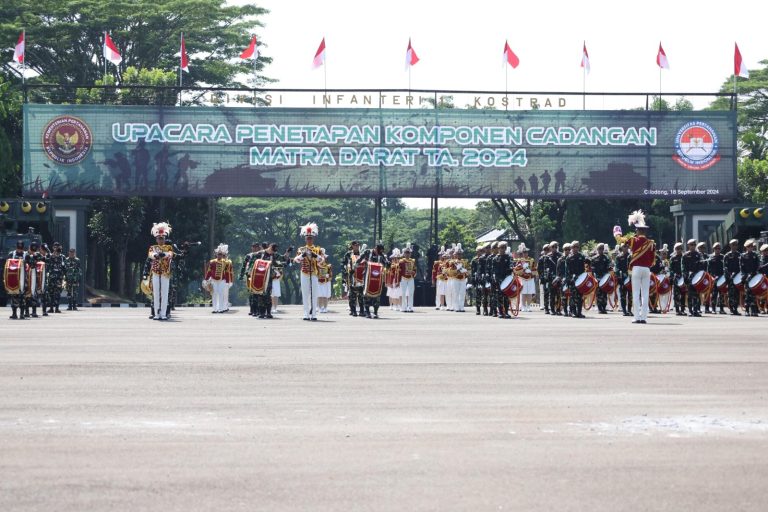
(575, 265)
(716, 267)
(562, 273)
(161, 255)
(691, 260)
(732, 262)
(354, 287)
(622, 272)
(56, 276)
(73, 273)
(601, 265)
(749, 266)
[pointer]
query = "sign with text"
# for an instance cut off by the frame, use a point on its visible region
(80, 150)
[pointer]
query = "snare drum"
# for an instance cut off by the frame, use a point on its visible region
(738, 281)
(653, 286)
(680, 283)
(628, 283)
(664, 286)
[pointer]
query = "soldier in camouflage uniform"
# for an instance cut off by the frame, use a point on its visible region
(477, 278)
(622, 272)
(33, 299)
(732, 263)
(354, 291)
(575, 265)
(73, 273)
(245, 272)
(55, 279)
(562, 272)
(17, 299)
(675, 273)
(544, 277)
(691, 262)
(601, 265)
(750, 263)
(716, 268)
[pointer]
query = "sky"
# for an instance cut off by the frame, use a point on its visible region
(460, 45)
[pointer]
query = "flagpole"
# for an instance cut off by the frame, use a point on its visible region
(506, 85)
(104, 78)
(584, 87)
(181, 59)
(24, 57)
(660, 68)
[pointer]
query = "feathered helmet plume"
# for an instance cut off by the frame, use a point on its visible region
(637, 219)
(161, 229)
(309, 229)
(222, 249)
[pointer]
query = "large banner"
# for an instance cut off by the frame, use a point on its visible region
(80, 150)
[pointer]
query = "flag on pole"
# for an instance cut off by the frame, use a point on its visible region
(410, 56)
(18, 52)
(184, 57)
(251, 51)
(110, 50)
(319, 59)
(509, 56)
(585, 58)
(661, 58)
(739, 68)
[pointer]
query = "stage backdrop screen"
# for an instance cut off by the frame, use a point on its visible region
(81, 150)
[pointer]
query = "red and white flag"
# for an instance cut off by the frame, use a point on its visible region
(410, 56)
(661, 58)
(110, 51)
(319, 59)
(509, 56)
(739, 68)
(184, 57)
(585, 58)
(18, 52)
(251, 51)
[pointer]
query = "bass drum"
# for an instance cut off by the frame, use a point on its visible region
(584, 283)
(607, 283)
(664, 286)
(701, 281)
(14, 279)
(722, 284)
(758, 285)
(511, 286)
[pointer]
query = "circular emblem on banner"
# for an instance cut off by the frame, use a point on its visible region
(67, 140)
(696, 146)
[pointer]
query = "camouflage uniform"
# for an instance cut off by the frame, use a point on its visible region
(17, 300)
(601, 265)
(691, 262)
(750, 263)
(245, 273)
(565, 292)
(354, 292)
(622, 272)
(574, 266)
(73, 273)
(55, 280)
(675, 273)
(716, 267)
(502, 267)
(544, 279)
(732, 263)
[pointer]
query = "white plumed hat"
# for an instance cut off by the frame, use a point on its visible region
(309, 229)
(161, 229)
(223, 249)
(637, 219)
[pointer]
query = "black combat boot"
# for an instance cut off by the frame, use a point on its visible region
(13, 314)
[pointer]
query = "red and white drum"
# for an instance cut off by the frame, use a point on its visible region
(13, 276)
(738, 281)
(511, 286)
(758, 285)
(557, 283)
(374, 279)
(607, 283)
(628, 283)
(40, 277)
(680, 283)
(664, 286)
(722, 284)
(653, 286)
(584, 283)
(260, 277)
(702, 280)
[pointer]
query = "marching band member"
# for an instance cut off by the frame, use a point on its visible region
(544, 278)
(575, 265)
(732, 262)
(16, 293)
(550, 264)
(160, 255)
(245, 272)
(440, 279)
(324, 281)
(716, 268)
(308, 256)
(477, 277)
(280, 265)
(490, 271)
(34, 278)
(460, 279)
(601, 265)
(622, 272)
(219, 276)
(407, 279)
(749, 267)
(502, 267)
(691, 260)
(676, 273)
(562, 274)
(394, 292)
(527, 273)
(376, 255)
(643, 253)
(55, 267)
(354, 287)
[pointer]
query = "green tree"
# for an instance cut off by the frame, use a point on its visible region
(753, 180)
(10, 139)
(65, 37)
(456, 232)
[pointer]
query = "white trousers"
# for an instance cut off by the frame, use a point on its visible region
(450, 294)
(460, 294)
(220, 294)
(439, 290)
(641, 284)
(309, 299)
(407, 286)
(160, 286)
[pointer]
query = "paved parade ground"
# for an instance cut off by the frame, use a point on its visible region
(103, 409)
